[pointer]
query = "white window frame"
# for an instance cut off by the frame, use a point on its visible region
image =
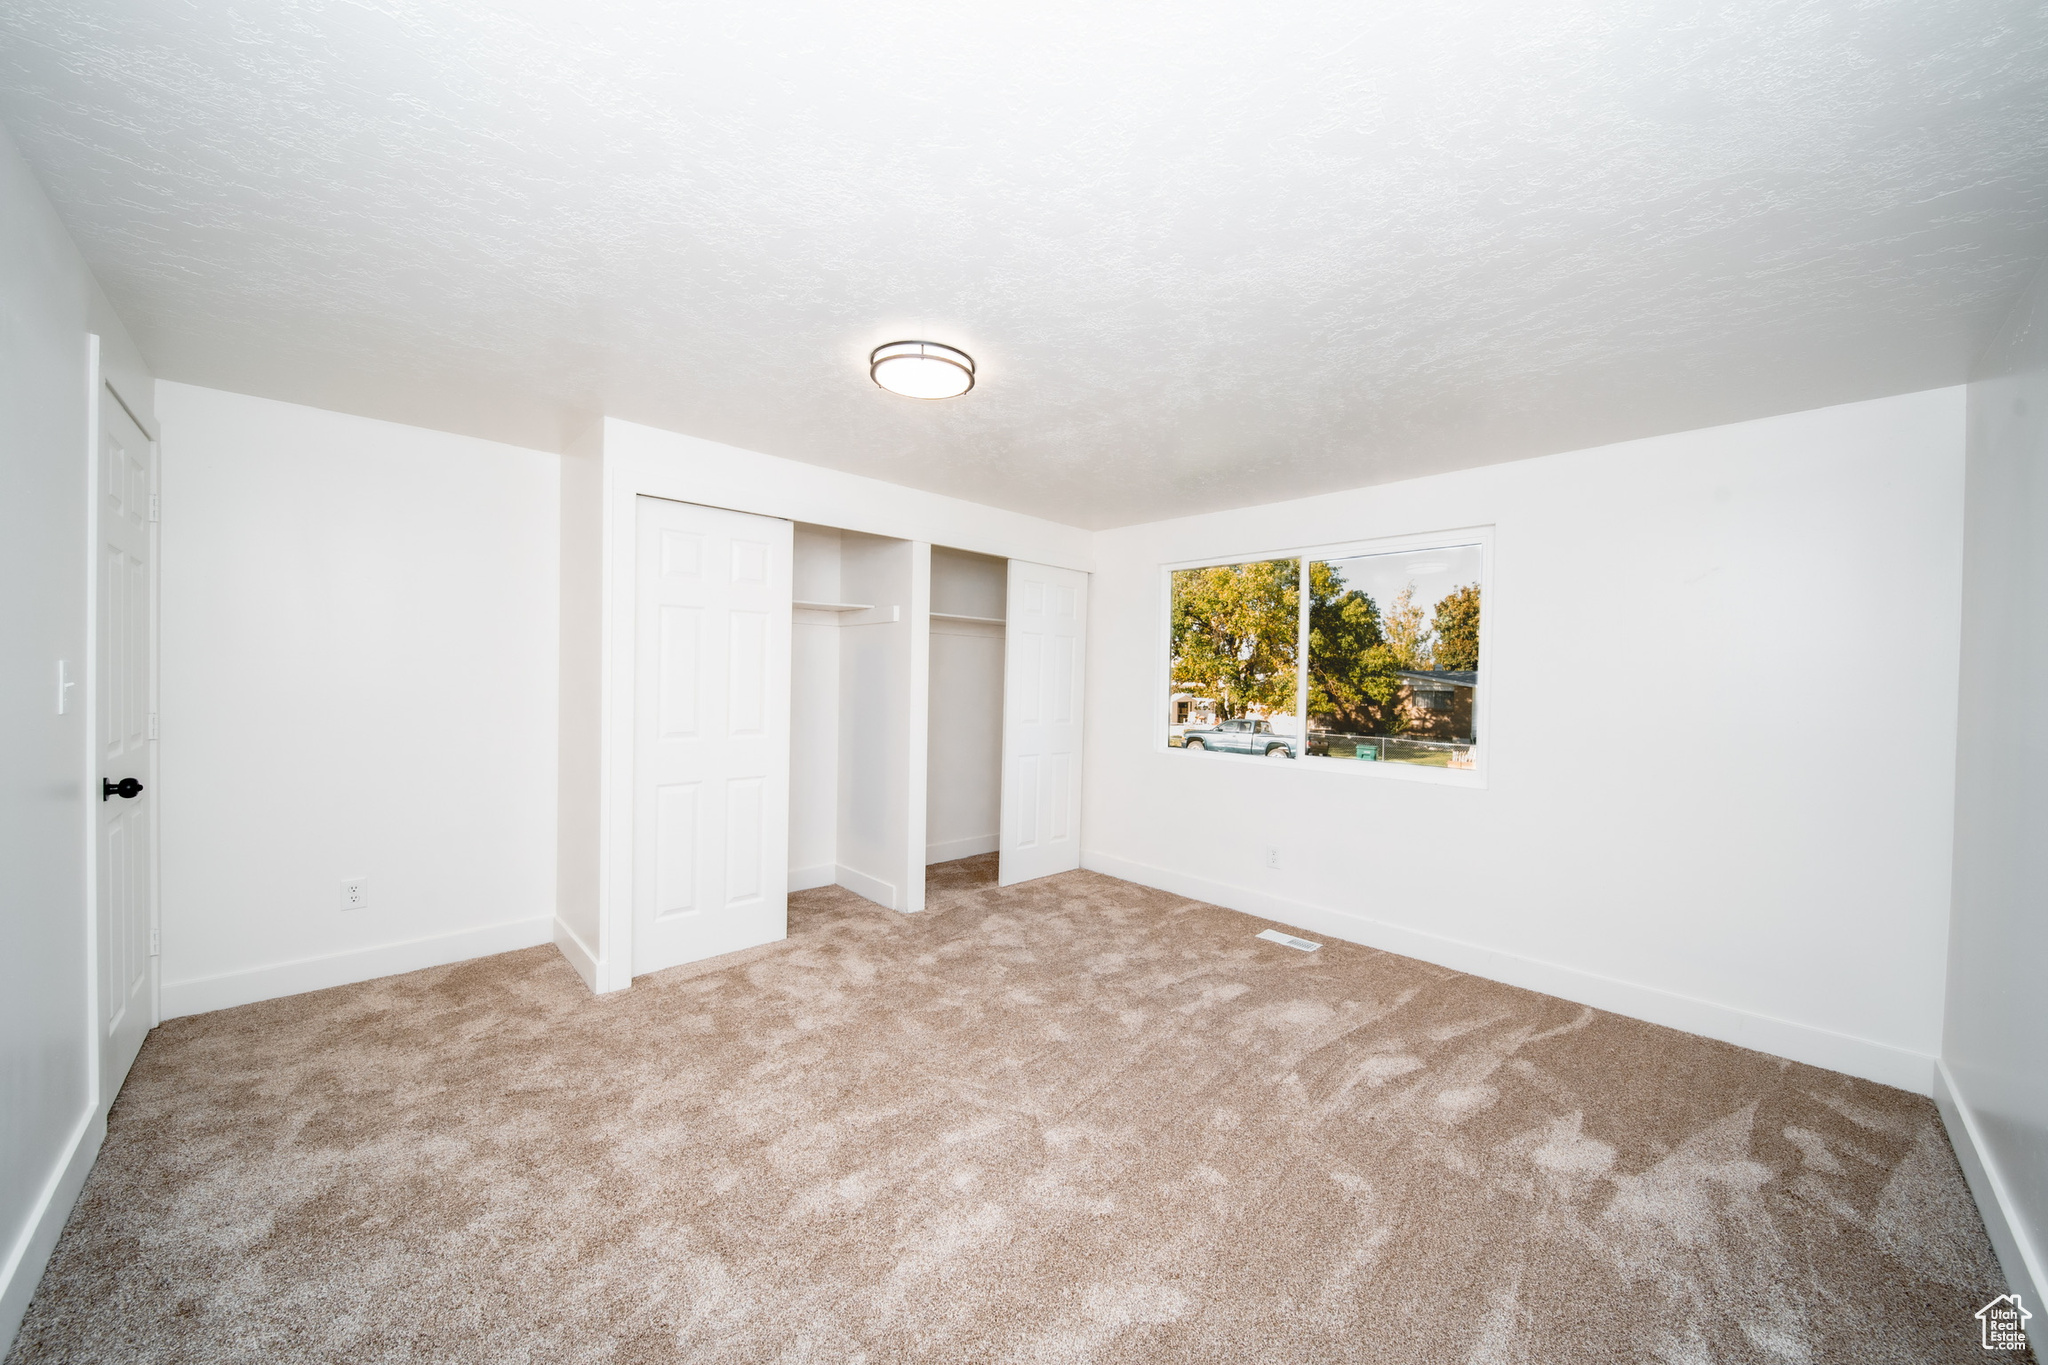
(1482, 722)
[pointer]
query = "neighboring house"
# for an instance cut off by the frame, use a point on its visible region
(1189, 709)
(1437, 703)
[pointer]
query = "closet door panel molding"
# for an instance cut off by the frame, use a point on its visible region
(710, 762)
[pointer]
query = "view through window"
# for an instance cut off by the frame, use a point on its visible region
(1236, 642)
(1391, 641)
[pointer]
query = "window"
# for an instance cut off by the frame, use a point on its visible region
(1236, 637)
(1381, 654)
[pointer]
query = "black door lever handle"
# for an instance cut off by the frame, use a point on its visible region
(126, 787)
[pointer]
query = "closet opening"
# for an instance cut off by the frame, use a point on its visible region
(964, 753)
(855, 691)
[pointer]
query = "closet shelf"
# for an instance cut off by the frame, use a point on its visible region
(976, 620)
(833, 606)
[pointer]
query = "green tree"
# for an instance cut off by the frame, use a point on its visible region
(1234, 628)
(1408, 634)
(1457, 628)
(1351, 669)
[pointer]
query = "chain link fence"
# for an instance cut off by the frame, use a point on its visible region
(1427, 753)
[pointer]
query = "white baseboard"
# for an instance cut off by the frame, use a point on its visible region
(809, 878)
(340, 969)
(1875, 1061)
(861, 884)
(30, 1254)
(2019, 1253)
(961, 848)
(579, 954)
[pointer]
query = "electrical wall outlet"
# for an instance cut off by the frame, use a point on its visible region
(1273, 857)
(355, 894)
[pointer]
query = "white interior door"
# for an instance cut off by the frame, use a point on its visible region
(122, 677)
(1044, 653)
(711, 733)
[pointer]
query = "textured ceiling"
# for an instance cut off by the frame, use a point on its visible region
(1206, 254)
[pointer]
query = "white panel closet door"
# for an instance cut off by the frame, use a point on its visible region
(711, 733)
(122, 676)
(1044, 658)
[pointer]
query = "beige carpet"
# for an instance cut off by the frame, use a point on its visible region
(1076, 1120)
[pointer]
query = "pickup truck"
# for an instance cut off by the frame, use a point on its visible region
(1240, 737)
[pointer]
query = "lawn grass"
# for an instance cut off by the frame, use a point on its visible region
(1392, 750)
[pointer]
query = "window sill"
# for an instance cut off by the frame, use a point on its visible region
(1396, 772)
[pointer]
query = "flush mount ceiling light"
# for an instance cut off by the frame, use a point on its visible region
(921, 369)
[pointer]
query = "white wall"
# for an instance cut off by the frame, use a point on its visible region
(580, 682)
(668, 464)
(1995, 1044)
(964, 756)
(964, 759)
(50, 1122)
(968, 584)
(359, 678)
(1721, 737)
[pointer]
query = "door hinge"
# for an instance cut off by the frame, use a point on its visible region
(152, 725)
(156, 507)
(155, 948)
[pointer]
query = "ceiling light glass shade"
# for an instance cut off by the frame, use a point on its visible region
(922, 369)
